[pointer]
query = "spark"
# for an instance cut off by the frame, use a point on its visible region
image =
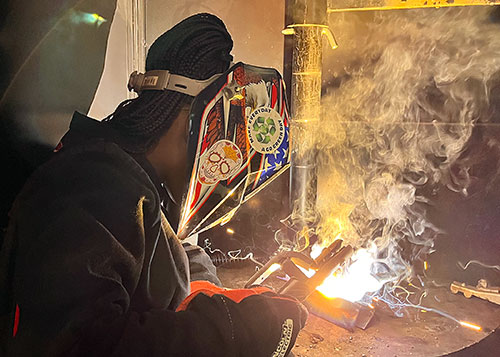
(426, 265)
(470, 325)
(430, 309)
(230, 231)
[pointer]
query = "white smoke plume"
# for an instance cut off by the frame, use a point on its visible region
(403, 94)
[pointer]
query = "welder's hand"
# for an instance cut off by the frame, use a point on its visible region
(261, 322)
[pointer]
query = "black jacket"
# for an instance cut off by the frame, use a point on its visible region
(91, 267)
(89, 254)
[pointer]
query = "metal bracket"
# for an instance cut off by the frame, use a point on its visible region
(325, 30)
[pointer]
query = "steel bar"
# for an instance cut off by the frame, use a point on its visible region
(340, 312)
(375, 5)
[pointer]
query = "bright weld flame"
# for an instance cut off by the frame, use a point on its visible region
(354, 281)
(470, 325)
(316, 250)
(230, 231)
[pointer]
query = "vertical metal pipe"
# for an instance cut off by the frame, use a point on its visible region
(305, 106)
(135, 11)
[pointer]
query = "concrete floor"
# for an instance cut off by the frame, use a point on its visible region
(417, 333)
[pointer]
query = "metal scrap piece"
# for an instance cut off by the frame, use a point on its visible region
(482, 291)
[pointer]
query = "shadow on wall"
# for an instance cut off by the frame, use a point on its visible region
(51, 59)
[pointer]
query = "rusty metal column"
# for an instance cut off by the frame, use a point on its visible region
(309, 20)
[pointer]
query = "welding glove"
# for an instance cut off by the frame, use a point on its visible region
(261, 322)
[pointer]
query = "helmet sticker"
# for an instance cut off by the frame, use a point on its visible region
(266, 130)
(220, 162)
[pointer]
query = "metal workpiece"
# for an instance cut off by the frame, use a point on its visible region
(340, 312)
(375, 5)
(482, 290)
(295, 265)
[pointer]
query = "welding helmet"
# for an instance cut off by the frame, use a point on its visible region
(238, 139)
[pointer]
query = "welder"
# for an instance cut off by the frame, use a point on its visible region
(90, 263)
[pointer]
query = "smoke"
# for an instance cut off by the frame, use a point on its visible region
(402, 97)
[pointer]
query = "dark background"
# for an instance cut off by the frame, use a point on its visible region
(50, 63)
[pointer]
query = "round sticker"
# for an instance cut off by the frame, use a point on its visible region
(266, 130)
(220, 162)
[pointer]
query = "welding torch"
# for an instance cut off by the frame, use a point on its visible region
(299, 285)
(338, 311)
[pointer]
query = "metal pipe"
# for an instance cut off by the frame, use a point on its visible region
(308, 19)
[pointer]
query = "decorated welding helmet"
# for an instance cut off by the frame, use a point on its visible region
(238, 139)
(238, 143)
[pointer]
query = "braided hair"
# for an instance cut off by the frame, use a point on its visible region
(197, 47)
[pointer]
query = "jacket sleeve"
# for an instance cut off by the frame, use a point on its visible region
(74, 280)
(201, 266)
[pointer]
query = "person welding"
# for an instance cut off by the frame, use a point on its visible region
(90, 264)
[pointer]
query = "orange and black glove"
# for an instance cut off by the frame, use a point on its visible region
(259, 321)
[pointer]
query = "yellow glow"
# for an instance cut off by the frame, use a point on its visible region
(470, 325)
(230, 231)
(316, 250)
(372, 5)
(426, 265)
(354, 281)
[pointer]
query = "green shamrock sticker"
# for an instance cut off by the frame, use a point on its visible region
(264, 128)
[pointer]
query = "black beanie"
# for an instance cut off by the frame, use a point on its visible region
(197, 47)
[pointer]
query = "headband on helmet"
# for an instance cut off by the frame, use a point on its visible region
(163, 79)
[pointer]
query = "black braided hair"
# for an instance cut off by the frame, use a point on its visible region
(197, 47)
